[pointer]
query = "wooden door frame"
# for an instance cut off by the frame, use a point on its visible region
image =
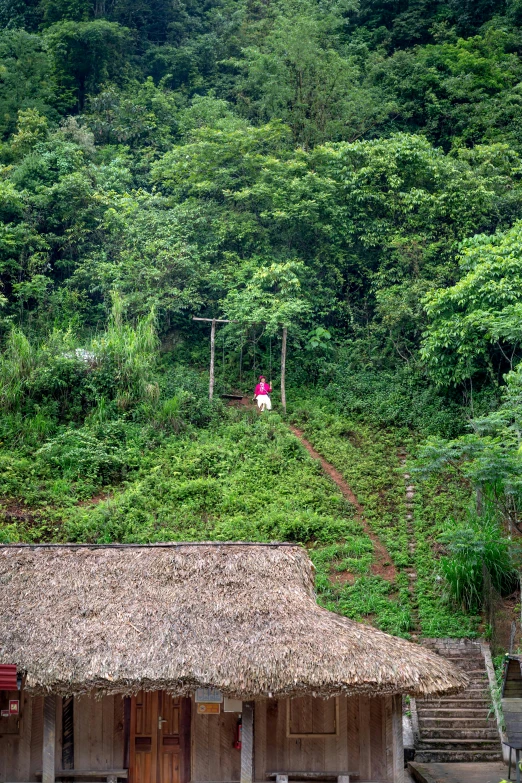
(185, 726)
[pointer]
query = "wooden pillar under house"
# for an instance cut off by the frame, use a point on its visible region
(49, 739)
(247, 742)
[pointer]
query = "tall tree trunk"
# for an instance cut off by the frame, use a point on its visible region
(283, 368)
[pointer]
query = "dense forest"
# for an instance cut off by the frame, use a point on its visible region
(350, 171)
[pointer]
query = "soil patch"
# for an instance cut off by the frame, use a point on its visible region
(382, 566)
(95, 499)
(16, 512)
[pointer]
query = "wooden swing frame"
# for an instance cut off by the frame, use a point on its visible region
(213, 322)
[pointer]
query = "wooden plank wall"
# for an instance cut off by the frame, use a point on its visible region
(98, 733)
(213, 756)
(98, 728)
(369, 741)
(15, 750)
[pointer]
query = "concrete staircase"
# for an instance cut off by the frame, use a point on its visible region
(460, 727)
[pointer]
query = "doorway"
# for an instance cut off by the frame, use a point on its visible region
(159, 749)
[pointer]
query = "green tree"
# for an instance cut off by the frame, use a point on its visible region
(475, 326)
(26, 79)
(298, 75)
(87, 54)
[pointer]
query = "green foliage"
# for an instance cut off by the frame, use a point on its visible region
(26, 78)
(86, 54)
(473, 549)
(475, 325)
(269, 295)
(118, 365)
(489, 459)
(368, 457)
(299, 75)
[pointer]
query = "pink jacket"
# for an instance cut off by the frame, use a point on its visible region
(262, 388)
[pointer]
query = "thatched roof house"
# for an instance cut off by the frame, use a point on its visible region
(242, 618)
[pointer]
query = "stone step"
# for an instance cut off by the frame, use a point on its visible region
(474, 699)
(438, 644)
(463, 743)
(448, 756)
(455, 734)
(456, 722)
(456, 713)
(471, 661)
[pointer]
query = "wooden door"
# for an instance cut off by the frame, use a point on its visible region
(159, 738)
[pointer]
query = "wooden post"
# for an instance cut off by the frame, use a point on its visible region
(283, 368)
(212, 354)
(49, 739)
(213, 321)
(247, 742)
(398, 747)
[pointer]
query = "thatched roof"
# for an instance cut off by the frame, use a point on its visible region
(239, 617)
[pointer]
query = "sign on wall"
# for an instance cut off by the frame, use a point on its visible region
(208, 696)
(208, 708)
(232, 705)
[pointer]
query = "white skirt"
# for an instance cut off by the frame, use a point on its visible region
(264, 399)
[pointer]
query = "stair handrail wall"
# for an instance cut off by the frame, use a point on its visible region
(495, 697)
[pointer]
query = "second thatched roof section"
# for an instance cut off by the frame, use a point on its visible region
(240, 618)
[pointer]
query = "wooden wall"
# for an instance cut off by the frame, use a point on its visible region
(369, 740)
(368, 743)
(98, 733)
(213, 756)
(98, 738)
(19, 754)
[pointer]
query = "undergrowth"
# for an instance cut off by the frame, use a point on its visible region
(368, 456)
(183, 469)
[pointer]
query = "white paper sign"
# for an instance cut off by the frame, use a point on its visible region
(232, 705)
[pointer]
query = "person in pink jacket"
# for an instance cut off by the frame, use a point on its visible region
(263, 389)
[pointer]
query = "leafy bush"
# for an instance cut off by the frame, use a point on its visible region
(400, 397)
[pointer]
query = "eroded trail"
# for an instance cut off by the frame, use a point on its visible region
(383, 565)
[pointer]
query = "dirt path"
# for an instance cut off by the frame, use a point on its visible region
(383, 565)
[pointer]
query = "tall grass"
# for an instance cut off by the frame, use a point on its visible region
(475, 549)
(131, 353)
(119, 364)
(22, 358)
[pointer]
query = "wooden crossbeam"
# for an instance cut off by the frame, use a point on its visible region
(213, 322)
